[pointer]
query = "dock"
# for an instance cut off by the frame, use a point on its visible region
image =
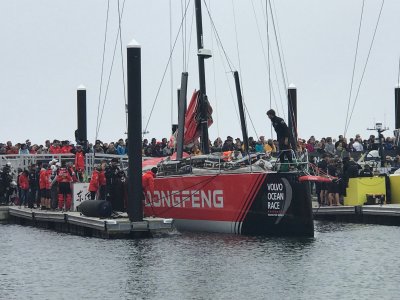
(386, 214)
(77, 224)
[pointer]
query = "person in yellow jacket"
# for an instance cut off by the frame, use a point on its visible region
(269, 146)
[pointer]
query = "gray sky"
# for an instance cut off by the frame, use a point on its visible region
(48, 48)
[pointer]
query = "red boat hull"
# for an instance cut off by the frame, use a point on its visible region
(247, 203)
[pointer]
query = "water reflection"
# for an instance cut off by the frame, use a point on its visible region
(342, 261)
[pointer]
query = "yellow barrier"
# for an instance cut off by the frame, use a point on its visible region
(359, 187)
(395, 188)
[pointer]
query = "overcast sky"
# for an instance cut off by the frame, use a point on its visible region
(48, 48)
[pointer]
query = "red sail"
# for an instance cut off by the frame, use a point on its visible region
(192, 119)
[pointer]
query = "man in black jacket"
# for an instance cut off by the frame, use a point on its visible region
(282, 134)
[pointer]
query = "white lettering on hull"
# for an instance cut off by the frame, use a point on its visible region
(186, 199)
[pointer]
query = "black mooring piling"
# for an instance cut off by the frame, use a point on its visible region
(292, 115)
(81, 132)
(135, 206)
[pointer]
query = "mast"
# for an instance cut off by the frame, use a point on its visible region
(202, 54)
(241, 112)
(181, 115)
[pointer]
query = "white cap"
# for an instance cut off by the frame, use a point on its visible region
(133, 44)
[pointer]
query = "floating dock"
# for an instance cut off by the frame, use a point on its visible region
(386, 214)
(75, 223)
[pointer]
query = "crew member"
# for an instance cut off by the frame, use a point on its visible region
(64, 180)
(115, 185)
(79, 162)
(94, 183)
(148, 183)
(32, 186)
(282, 134)
(102, 181)
(42, 186)
(23, 182)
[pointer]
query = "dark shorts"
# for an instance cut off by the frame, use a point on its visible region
(333, 187)
(64, 188)
(45, 193)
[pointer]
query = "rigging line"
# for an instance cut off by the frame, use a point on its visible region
(190, 40)
(228, 82)
(260, 38)
(280, 41)
(275, 68)
(240, 68)
(266, 60)
(183, 40)
(166, 68)
(277, 45)
(269, 62)
(237, 40)
(219, 41)
(278, 87)
(171, 65)
(365, 66)
(109, 75)
(240, 63)
(251, 120)
(122, 65)
(354, 66)
(102, 68)
(215, 79)
(259, 33)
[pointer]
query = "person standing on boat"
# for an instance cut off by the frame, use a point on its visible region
(282, 134)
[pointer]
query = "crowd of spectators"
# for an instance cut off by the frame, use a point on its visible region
(166, 147)
(333, 159)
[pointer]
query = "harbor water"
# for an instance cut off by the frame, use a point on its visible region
(342, 261)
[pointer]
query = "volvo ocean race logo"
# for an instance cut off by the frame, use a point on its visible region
(279, 196)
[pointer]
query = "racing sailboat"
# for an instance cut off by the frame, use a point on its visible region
(206, 194)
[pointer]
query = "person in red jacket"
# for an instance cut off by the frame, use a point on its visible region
(64, 180)
(94, 182)
(55, 147)
(79, 162)
(66, 147)
(23, 182)
(42, 185)
(148, 183)
(47, 200)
